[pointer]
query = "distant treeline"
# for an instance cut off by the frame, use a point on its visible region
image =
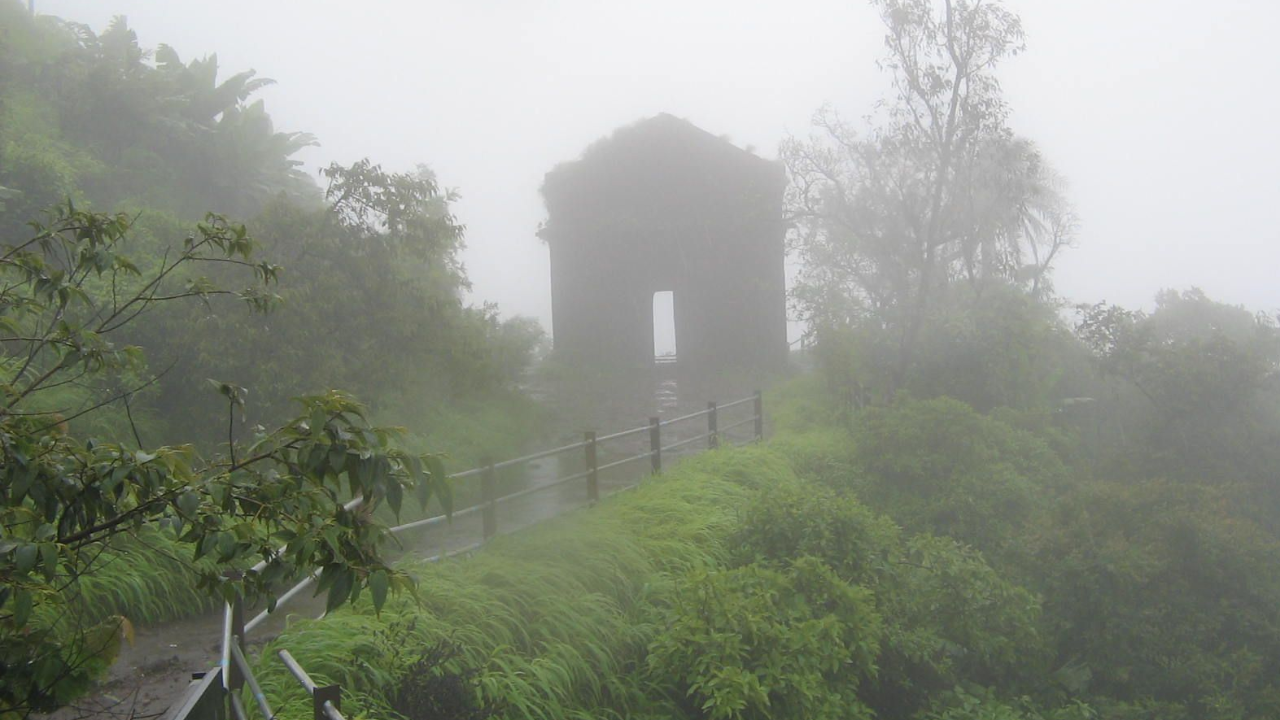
(371, 284)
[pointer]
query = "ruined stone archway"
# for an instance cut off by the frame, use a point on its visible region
(662, 205)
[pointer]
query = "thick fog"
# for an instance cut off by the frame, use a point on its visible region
(1160, 114)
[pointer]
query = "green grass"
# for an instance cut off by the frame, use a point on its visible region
(552, 620)
(495, 426)
(148, 578)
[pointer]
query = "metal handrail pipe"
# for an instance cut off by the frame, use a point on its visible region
(622, 433)
(286, 597)
(237, 708)
(624, 461)
(624, 488)
(736, 403)
(569, 478)
(474, 508)
(460, 551)
(254, 687)
(435, 519)
(686, 441)
(520, 493)
(307, 683)
(425, 522)
(293, 667)
(293, 591)
(740, 423)
(262, 564)
(538, 455)
(545, 486)
(302, 585)
(225, 659)
(466, 473)
(356, 502)
(682, 418)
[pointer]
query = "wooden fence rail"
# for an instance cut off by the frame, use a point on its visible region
(217, 693)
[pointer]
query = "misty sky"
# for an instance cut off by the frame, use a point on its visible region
(1162, 114)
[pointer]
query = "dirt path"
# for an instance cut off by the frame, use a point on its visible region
(153, 674)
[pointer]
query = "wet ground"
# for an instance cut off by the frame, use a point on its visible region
(154, 673)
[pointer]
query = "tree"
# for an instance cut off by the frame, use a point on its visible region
(374, 278)
(943, 191)
(280, 498)
(1207, 380)
(89, 115)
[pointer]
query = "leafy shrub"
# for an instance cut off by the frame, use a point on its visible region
(436, 687)
(1163, 593)
(948, 616)
(800, 519)
(1001, 347)
(977, 703)
(757, 642)
(939, 466)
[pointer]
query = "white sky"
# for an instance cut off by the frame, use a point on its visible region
(1162, 114)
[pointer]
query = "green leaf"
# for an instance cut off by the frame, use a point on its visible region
(340, 590)
(22, 483)
(189, 503)
(440, 483)
(378, 584)
(25, 557)
(49, 560)
(395, 495)
(226, 545)
(421, 487)
(22, 603)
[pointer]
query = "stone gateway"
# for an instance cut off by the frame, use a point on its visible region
(664, 206)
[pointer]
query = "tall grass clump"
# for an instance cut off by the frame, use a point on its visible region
(147, 577)
(552, 622)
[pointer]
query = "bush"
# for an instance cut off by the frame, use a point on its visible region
(977, 703)
(757, 642)
(939, 466)
(1161, 593)
(948, 616)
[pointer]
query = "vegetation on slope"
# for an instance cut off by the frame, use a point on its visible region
(728, 588)
(550, 623)
(105, 390)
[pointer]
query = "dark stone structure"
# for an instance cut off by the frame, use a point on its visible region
(662, 205)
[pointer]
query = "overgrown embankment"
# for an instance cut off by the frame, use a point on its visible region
(1156, 593)
(921, 560)
(730, 587)
(552, 622)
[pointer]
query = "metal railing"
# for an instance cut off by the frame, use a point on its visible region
(216, 694)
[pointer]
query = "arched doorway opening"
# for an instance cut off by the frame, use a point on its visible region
(664, 326)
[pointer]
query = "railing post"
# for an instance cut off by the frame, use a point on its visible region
(235, 636)
(713, 433)
(593, 468)
(489, 491)
(759, 405)
(655, 444)
(321, 695)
